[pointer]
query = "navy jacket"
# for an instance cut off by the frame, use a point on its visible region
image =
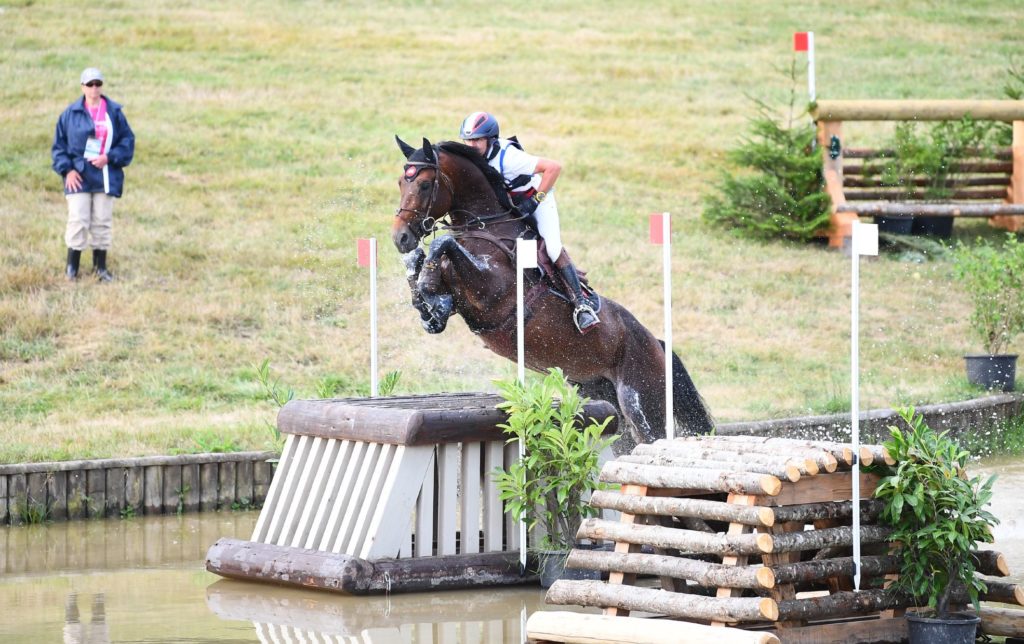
(74, 127)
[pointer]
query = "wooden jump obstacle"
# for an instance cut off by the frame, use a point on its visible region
(993, 189)
(749, 532)
(385, 495)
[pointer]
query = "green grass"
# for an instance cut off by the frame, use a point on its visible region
(265, 149)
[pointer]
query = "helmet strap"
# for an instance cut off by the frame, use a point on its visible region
(492, 149)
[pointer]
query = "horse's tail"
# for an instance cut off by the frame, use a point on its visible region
(688, 405)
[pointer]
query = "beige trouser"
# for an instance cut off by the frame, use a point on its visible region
(90, 214)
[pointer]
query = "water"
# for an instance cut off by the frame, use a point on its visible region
(142, 580)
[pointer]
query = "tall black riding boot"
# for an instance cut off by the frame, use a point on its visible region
(99, 265)
(74, 257)
(584, 316)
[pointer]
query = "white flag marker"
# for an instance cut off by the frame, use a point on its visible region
(526, 257)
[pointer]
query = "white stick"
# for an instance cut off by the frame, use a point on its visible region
(855, 393)
(373, 317)
(810, 66)
(666, 238)
(526, 257)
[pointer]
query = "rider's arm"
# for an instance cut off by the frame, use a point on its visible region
(549, 171)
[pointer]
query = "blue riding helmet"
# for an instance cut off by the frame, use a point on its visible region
(478, 125)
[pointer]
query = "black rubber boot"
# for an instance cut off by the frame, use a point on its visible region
(99, 265)
(74, 258)
(584, 316)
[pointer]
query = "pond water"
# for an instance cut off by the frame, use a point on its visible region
(143, 580)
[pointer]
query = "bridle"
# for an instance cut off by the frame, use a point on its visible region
(412, 170)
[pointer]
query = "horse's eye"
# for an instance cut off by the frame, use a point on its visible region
(424, 186)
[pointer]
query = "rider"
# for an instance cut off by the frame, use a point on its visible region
(530, 181)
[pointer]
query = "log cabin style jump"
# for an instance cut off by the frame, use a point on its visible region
(709, 540)
(993, 186)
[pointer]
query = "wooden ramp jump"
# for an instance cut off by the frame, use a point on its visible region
(387, 494)
(747, 532)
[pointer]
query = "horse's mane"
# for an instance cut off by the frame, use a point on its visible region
(474, 157)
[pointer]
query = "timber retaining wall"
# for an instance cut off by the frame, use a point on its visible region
(65, 490)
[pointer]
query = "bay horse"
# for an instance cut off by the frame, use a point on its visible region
(472, 271)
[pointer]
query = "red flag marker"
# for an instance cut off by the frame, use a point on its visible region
(800, 41)
(657, 227)
(363, 252)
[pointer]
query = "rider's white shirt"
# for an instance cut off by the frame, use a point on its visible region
(515, 163)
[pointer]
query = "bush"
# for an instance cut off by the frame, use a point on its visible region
(782, 196)
(994, 278)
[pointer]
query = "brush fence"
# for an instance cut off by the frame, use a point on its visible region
(384, 494)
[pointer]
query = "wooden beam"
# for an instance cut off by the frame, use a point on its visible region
(919, 110)
(694, 478)
(1006, 622)
(870, 509)
(906, 209)
(818, 539)
(562, 626)
(661, 537)
(837, 486)
(703, 573)
(849, 631)
(627, 519)
(699, 508)
(1015, 192)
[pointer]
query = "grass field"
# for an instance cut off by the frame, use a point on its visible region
(264, 149)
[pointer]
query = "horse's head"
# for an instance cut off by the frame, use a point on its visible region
(423, 199)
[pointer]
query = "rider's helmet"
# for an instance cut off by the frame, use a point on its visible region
(479, 125)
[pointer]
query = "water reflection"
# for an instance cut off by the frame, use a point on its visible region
(1008, 506)
(76, 631)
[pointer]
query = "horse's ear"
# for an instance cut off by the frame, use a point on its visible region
(428, 151)
(406, 149)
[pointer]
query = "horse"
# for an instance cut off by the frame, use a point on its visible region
(472, 271)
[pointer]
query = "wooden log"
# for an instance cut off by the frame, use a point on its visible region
(1005, 622)
(690, 478)
(173, 497)
(709, 575)
(990, 562)
(788, 471)
(841, 604)
(917, 110)
(190, 485)
(806, 467)
(885, 208)
(153, 490)
(1003, 592)
(135, 489)
(818, 539)
(78, 494)
(4, 512)
(36, 494)
(667, 506)
(901, 195)
(596, 593)
(982, 180)
(1001, 152)
(842, 452)
(661, 537)
(870, 454)
(870, 509)
(822, 458)
(818, 570)
(226, 486)
(858, 630)
(306, 568)
(96, 485)
(57, 495)
(262, 472)
(17, 484)
(208, 487)
(115, 487)
(562, 626)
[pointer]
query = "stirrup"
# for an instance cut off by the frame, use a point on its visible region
(577, 313)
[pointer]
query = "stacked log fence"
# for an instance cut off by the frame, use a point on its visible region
(754, 533)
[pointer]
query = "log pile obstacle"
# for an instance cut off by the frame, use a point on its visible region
(749, 532)
(993, 186)
(387, 494)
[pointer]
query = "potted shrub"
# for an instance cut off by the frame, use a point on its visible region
(938, 515)
(994, 278)
(549, 488)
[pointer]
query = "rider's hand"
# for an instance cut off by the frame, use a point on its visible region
(99, 161)
(528, 206)
(73, 181)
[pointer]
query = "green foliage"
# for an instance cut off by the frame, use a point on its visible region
(933, 157)
(994, 279)
(937, 513)
(389, 382)
(781, 196)
(212, 442)
(128, 512)
(34, 513)
(273, 390)
(548, 486)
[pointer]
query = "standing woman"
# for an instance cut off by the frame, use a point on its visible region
(91, 145)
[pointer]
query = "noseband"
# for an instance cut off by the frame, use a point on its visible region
(412, 170)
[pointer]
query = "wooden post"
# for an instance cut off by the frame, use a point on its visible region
(620, 578)
(842, 222)
(735, 560)
(1015, 192)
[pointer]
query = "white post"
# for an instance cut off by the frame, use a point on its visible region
(526, 257)
(864, 241)
(666, 237)
(374, 391)
(811, 91)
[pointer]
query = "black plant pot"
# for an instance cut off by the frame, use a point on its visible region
(552, 567)
(992, 372)
(933, 226)
(900, 225)
(958, 628)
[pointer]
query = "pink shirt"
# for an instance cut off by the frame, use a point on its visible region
(99, 118)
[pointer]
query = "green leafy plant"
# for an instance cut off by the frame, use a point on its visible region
(209, 441)
(994, 279)
(548, 487)
(930, 161)
(937, 514)
(34, 513)
(780, 195)
(389, 382)
(128, 512)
